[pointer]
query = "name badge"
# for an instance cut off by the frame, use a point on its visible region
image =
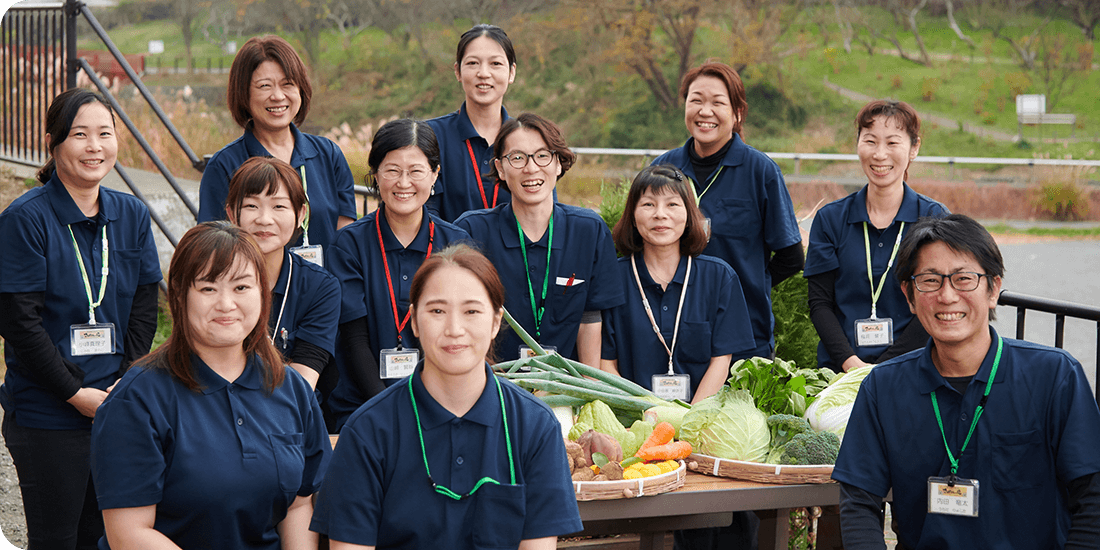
(397, 363)
(707, 227)
(954, 497)
(672, 386)
(875, 332)
(526, 352)
(94, 339)
(312, 254)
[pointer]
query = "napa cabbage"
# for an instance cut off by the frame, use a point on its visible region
(830, 411)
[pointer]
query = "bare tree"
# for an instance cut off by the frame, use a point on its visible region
(1001, 17)
(955, 25)
(1085, 14)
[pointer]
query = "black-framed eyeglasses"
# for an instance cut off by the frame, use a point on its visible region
(963, 281)
(542, 158)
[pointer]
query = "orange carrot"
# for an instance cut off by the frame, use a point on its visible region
(669, 451)
(663, 433)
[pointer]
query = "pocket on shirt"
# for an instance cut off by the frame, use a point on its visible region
(737, 218)
(566, 303)
(499, 516)
(1015, 459)
(694, 343)
(290, 460)
(125, 265)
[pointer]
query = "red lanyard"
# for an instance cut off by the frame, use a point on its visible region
(400, 324)
(477, 174)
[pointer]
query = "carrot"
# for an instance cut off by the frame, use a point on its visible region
(663, 433)
(669, 451)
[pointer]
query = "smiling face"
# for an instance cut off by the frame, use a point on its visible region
(708, 114)
(90, 149)
(270, 219)
(398, 186)
(660, 218)
(455, 322)
(484, 72)
(273, 99)
(955, 319)
(223, 312)
(885, 151)
(533, 184)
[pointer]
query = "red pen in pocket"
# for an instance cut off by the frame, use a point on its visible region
(569, 283)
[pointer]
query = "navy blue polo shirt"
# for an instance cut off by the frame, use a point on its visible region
(38, 256)
(356, 260)
(751, 216)
(312, 310)
(714, 321)
(836, 243)
(222, 464)
(582, 272)
(1039, 431)
(457, 190)
(329, 183)
(376, 492)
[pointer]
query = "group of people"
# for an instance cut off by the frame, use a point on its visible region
(292, 319)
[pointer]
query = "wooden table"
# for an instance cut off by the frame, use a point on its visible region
(706, 501)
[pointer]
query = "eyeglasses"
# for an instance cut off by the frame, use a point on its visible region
(416, 173)
(542, 158)
(963, 281)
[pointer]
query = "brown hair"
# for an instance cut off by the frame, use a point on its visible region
(264, 175)
(550, 132)
(661, 178)
(468, 258)
(254, 52)
(206, 252)
(734, 87)
(903, 114)
(59, 122)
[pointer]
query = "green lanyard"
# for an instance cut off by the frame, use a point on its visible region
(537, 311)
(507, 441)
(305, 221)
(977, 412)
(875, 293)
(713, 178)
(84, 273)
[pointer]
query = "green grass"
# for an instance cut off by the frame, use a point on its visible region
(1066, 233)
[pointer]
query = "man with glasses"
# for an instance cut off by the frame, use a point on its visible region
(986, 442)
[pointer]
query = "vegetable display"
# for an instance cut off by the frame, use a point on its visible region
(830, 411)
(727, 425)
(778, 386)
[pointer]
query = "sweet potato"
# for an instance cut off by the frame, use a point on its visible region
(596, 442)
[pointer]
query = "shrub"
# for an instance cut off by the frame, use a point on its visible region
(928, 88)
(1018, 82)
(1063, 200)
(795, 336)
(896, 82)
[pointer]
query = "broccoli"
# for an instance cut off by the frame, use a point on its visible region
(810, 448)
(783, 427)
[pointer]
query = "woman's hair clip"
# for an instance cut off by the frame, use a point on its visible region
(676, 173)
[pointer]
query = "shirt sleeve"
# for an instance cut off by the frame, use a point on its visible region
(821, 252)
(142, 325)
(150, 260)
(344, 183)
(317, 448)
(322, 315)
(862, 461)
(349, 506)
(347, 266)
(732, 324)
(23, 333)
(606, 290)
(23, 246)
(822, 299)
(608, 349)
(780, 224)
(786, 262)
(1074, 424)
(213, 188)
(128, 449)
(860, 519)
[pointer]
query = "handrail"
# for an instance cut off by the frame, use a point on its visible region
(1061, 309)
(855, 158)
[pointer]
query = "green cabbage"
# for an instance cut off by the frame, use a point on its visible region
(830, 411)
(600, 417)
(727, 425)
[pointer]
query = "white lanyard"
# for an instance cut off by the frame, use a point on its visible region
(305, 221)
(649, 311)
(92, 303)
(882, 281)
(286, 292)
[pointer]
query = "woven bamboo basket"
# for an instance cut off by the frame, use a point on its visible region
(631, 488)
(761, 473)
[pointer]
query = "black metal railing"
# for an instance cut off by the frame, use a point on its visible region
(1061, 310)
(33, 60)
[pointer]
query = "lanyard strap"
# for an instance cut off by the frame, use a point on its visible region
(507, 441)
(875, 293)
(977, 411)
(305, 221)
(477, 175)
(397, 321)
(286, 293)
(537, 311)
(649, 311)
(84, 273)
(713, 178)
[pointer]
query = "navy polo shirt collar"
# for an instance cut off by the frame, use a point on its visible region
(303, 149)
(418, 244)
(284, 274)
(647, 279)
(510, 236)
(68, 212)
(931, 379)
(734, 157)
(466, 128)
(908, 212)
(486, 411)
(212, 382)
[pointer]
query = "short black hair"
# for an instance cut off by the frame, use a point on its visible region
(401, 133)
(59, 122)
(960, 233)
(495, 33)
